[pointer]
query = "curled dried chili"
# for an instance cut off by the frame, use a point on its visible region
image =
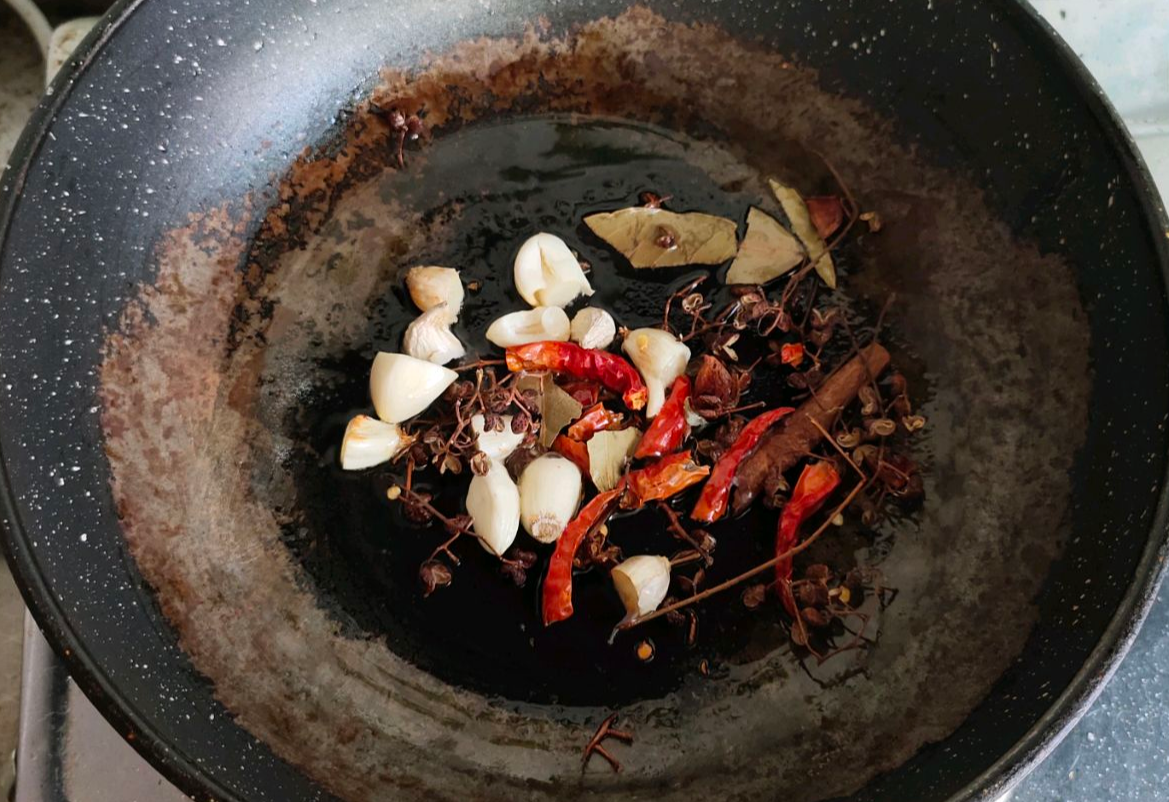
(816, 483)
(574, 450)
(791, 354)
(665, 478)
(713, 502)
(610, 370)
(595, 419)
(669, 428)
(557, 590)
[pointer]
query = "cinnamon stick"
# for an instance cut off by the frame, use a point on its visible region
(797, 434)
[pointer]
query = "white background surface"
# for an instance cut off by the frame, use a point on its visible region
(1125, 44)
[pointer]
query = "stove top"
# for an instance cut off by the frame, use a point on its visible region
(1118, 752)
(66, 751)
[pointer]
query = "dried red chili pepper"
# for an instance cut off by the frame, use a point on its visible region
(595, 419)
(661, 480)
(574, 450)
(816, 482)
(557, 590)
(712, 504)
(610, 370)
(585, 393)
(827, 214)
(669, 428)
(791, 354)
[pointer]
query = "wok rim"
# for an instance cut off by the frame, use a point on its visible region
(1004, 774)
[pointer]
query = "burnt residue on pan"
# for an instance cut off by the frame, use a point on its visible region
(228, 379)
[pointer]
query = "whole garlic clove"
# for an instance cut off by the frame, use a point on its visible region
(642, 582)
(496, 445)
(493, 502)
(660, 358)
(547, 273)
(430, 286)
(429, 337)
(530, 326)
(550, 490)
(369, 441)
(402, 386)
(593, 328)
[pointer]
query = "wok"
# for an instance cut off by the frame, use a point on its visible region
(202, 230)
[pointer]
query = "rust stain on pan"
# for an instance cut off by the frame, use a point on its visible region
(206, 359)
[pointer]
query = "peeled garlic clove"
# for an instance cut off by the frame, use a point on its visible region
(430, 286)
(402, 386)
(642, 582)
(369, 441)
(530, 326)
(593, 328)
(493, 502)
(429, 337)
(660, 358)
(496, 445)
(550, 489)
(547, 273)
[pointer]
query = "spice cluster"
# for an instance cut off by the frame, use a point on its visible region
(578, 419)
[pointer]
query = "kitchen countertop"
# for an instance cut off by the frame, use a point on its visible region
(1118, 752)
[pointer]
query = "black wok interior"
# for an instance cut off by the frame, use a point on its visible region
(975, 89)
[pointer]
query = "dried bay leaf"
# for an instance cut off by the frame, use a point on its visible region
(797, 211)
(557, 408)
(608, 453)
(768, 250)
(650, 237)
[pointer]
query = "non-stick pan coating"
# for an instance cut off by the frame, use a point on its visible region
(156, 193)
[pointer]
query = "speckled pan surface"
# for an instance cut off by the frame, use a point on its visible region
(164, 323)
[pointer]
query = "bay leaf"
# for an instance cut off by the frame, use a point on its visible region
(797, 211)
(608, 453)
(557, 408)
(693, 238)
(557, 411)
(768, 250)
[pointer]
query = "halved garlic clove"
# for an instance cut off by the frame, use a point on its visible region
(550, 489)
(369, 441)
(496, 445)
(593, 328)
(493, 502)
(660, 358)
(402, 386)
(642, 582)
(530, 326)
(430, 286)
(547, 273)
(430, 337)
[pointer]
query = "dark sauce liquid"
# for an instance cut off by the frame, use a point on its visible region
(501, 183)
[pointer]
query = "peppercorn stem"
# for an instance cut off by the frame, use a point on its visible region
(832, 442)
(758, 569)
(680, 532)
